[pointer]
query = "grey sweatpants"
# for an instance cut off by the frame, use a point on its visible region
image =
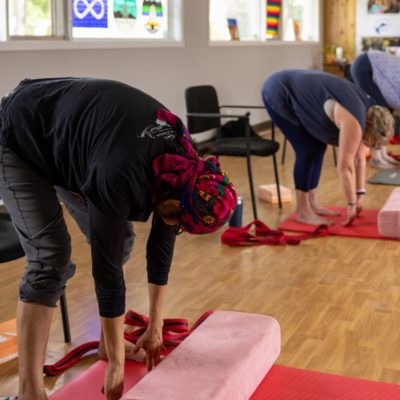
(33, 203)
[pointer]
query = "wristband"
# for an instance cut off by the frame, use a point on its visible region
(351, 204)
(361, 192)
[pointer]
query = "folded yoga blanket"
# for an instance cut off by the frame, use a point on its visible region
(226, 357)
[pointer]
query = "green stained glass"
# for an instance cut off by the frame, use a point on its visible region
(125, 9)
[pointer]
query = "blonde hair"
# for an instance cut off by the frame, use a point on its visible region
(379, 126)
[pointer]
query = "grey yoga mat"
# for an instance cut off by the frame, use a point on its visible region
(386, 177)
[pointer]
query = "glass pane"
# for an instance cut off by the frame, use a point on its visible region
(29, 18)
(300, 20)
(273, 19)
(120, 19)
(235, 20)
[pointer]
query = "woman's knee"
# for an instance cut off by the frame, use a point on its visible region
(44, 283)
(48, 268)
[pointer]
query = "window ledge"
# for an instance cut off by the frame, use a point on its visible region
(256, 43)
(82, 44)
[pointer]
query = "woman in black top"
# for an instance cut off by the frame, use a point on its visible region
(123, 156)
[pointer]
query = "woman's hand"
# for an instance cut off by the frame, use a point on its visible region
(114, 381)
(351, 215)
(113, 330)
(152, 343)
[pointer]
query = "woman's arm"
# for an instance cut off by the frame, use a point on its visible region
(349, 144)
(113, 329)
(160, 248)
(107, 237)
(152, 341)
(156, 297)
(361, 162)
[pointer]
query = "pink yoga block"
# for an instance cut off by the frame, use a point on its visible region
(225, 358)
(389, 216)
(269, 193)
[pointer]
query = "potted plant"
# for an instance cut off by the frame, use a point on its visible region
(330, 53)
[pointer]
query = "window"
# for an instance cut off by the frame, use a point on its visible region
(300, 20)
(34, 18)
(121, 19)
(258, 20)
(90, 19)
(235, 19)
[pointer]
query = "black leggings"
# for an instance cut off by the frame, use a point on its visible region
(309, 151)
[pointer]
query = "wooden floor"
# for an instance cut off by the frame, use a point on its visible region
(337, 299)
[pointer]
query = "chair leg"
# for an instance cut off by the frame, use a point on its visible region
(284, 152)
(253, 197)
(278, 188)
(65, 318)
(334, 155)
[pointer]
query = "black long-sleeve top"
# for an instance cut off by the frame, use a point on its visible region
(97, 138)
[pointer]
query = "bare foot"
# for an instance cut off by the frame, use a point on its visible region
(325, 211)
(391, 160)
(382, 164)
(312, 219)
(140, 356)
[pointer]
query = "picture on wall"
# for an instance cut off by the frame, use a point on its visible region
(384, 6)
(390, 44)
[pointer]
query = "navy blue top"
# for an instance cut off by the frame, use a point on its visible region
(300, 95)
(98, 138)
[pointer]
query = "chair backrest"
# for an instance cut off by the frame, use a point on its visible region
(10, 247)
(202, 99)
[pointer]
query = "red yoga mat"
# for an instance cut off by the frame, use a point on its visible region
(88, 385)
(281, 383)
(365, 226)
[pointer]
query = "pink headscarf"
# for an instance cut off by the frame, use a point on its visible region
(208, 198)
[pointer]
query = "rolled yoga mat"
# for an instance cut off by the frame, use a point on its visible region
(365, 226)
(226, 357)
(88, 385)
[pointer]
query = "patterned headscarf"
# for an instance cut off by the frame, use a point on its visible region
(208, 198)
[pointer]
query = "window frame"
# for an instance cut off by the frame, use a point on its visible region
(263, 41)
(59, 23)
(66, 41)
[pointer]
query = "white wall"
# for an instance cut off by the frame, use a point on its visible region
(366, 24)
(237, 71)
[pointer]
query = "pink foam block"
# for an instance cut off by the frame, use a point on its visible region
(226, 357)
(389, 216)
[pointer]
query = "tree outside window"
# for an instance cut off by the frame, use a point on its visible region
(30, 18)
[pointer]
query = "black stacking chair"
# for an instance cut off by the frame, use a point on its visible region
(204, 114)
(10, 249)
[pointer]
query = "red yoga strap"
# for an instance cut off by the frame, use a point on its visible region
(70, 358)
(174, 332)
(263, 235)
